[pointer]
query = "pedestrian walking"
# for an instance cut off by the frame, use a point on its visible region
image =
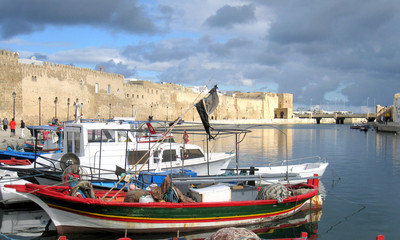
(22, 129)
(12, 127)
(5, 124)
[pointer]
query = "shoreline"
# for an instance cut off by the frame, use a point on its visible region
(7, 140)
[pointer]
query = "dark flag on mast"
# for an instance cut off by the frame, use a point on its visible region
(206, 106)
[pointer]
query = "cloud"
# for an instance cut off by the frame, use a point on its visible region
(228, 16)
(160, 52)
(317, 50)
(113, 67)
(24, 17)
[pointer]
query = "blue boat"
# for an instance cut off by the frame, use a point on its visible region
(46, 138)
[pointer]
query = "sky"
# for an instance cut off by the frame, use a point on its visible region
(334, 55)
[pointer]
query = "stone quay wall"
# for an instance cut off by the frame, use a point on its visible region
(46, 90)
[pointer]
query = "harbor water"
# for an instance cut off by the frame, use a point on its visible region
(361, 184)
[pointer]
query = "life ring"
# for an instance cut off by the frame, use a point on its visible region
(68, 159)
(85, 189)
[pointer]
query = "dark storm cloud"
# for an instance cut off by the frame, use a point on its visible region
(112, 67)
(161, 52)
(337, 43)
(228, 16)
(24, 17)
(225, 49)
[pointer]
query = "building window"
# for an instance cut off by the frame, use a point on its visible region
(127, 95)
(142, 96)
(118, 91)
(109, 89)
(34, 79)
(96, 88)
(81, 82)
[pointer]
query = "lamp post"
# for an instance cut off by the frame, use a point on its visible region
(68, 102)
(13, 95)
(55, 106)
(132, 110)
(151, 109)
(109, 112)
(167, 111)
(40, 114)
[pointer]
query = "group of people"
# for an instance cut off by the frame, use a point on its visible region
(13, 124)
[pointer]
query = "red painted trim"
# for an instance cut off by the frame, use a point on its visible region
(56, 192)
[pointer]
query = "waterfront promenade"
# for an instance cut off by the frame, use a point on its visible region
(6, 139)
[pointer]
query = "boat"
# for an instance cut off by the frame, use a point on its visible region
(46, 138)
(105, 145)
(304, 168)
(217, 207)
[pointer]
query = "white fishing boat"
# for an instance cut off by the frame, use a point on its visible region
(106, 145)
(303, 168)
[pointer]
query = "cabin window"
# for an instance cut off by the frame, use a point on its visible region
(169, 155)
(69, 141)
(193, 153)
(100, 136)
(135, 156)
(77, 143)
(73, 143)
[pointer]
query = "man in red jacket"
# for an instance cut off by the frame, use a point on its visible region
(12, 127)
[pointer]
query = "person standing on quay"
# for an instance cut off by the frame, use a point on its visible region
(12, 127)
(22, 129)
(5, 124)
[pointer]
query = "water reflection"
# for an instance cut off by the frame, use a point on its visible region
(27, 222)
(387, 144)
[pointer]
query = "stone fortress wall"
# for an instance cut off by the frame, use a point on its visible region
(50, 90)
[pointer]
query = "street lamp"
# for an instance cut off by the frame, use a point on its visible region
(68, 102)
(109, 112)
(167, 111)
(132, 110)
(13, 95)
(40, 115)
(55, 107)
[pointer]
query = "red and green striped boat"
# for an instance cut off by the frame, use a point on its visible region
(73, 214)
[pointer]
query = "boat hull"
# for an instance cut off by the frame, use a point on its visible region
(72, 214)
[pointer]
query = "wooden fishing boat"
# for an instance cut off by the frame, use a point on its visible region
(75, 214)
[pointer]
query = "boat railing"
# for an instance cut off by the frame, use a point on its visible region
(303, 160)
(91, 172)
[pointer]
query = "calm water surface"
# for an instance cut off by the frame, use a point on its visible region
(361, 183)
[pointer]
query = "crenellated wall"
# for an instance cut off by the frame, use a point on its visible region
(105, 95)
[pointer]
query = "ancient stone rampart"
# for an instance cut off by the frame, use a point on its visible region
(46, 90)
